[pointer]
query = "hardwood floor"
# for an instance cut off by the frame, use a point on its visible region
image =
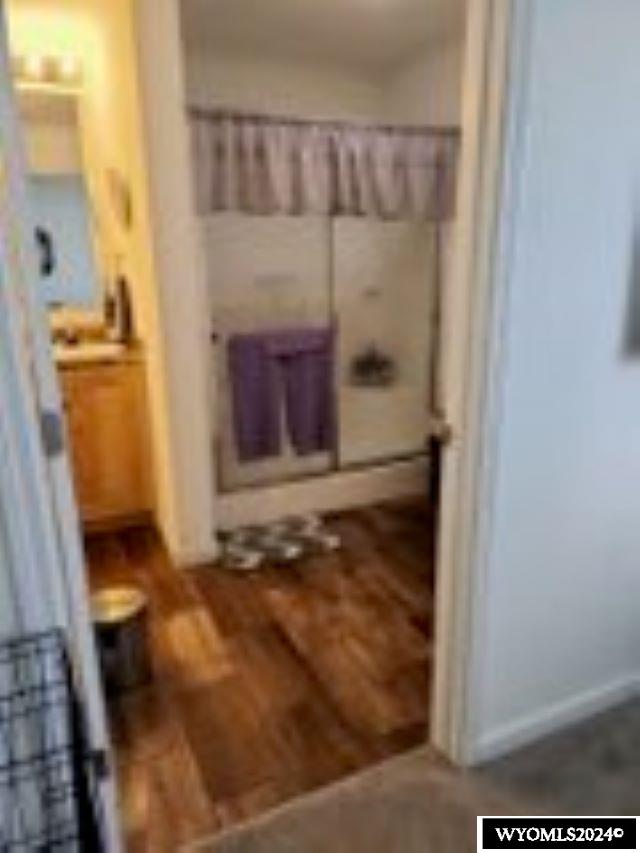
(270, 684)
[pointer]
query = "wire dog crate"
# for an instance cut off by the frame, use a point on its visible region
(48, 791)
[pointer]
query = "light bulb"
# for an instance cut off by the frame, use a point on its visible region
(34, 67)
(69, 67)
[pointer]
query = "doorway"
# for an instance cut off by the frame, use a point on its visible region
(279, 680)
(198, 650)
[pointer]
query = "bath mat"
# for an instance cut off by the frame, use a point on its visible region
(281, 542)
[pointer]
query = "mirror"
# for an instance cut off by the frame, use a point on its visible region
(66, 232)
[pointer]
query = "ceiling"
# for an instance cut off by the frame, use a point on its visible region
(367, 35)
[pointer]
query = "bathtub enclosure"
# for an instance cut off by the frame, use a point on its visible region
(375, 280)
(347, 272)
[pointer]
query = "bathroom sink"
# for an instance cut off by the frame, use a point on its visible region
(87, 352)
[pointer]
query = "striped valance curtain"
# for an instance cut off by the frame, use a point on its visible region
(267, 165)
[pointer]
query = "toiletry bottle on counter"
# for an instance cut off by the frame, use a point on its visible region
(120, 320)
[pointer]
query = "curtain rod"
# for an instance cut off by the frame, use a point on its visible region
(221, 113)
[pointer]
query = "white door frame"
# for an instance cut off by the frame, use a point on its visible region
(38, 491)
(471, 304)
(474, 302)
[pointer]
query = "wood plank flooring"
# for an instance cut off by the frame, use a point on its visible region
(271, 684)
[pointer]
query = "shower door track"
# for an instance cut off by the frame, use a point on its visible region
(352, 468)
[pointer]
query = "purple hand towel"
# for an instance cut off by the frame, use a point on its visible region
(255, 398)
(299, 362)
(306, 358)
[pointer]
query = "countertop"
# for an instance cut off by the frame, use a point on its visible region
(91, 353)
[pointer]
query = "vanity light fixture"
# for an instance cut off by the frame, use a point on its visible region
(38, 70)
(70, 69)
(34, 67)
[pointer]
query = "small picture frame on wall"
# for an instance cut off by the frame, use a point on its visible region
(120, 194)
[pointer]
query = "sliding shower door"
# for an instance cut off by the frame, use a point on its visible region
(374, 282)
(384, 281)
(265, 273)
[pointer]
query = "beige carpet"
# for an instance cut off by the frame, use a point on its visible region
(411, 804)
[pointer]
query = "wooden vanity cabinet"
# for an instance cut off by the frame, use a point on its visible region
(106, 411)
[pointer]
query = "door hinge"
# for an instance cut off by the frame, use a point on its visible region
(52, 429)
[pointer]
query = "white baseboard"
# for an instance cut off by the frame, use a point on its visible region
(532, 727)
(333, 492)
(186, 557)
(183, 559)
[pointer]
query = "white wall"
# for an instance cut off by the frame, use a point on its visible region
(428, 87)
(101, 35)
(183, 309)
(560, 631)
(115, 118)
(285, 87)
(53, 147)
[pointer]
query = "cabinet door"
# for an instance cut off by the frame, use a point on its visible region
(107, 430)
